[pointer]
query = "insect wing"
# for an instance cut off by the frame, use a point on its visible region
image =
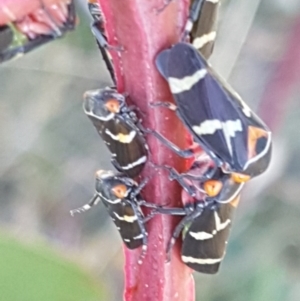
(125, 217)
(97, 28)
(126, 144)
(205, 240)
(162, 63)
(259, 136)
(205, 108)
(204, 30)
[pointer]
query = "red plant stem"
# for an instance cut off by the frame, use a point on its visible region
(136, 26)
(12, 10)
(286, 74)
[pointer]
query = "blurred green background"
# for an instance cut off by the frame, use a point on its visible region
(50, 152)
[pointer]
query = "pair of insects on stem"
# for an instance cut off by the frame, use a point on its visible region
(237, 146)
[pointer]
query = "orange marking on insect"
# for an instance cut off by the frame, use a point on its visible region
(212, 187)
(254, 134)
(239, 177)
(112, 105)
(120, 191)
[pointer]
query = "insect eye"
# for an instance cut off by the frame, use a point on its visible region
(120, 191)
(239, 177)
(112, 105)
(212, 187)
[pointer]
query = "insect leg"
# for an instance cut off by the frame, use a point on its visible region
(94, 201)
(102, 45)
(101, 39)
(184, 153)
(164, 104)
(185, 221)
(144, 234)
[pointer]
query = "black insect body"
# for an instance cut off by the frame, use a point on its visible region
(207, 219)
(118, 126)
(205, 237)
(204, 29)
(220, 122)
(121, 197)
(17, 38)
(201, 25)
(97, 28)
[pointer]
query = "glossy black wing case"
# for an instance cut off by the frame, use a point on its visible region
(204, 241)
(259, 136)
(97, 28)
(125, 143)
(203, 32)
(124, 215)
(216, 116)
(125, 212)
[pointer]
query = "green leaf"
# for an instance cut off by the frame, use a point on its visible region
(37, 274)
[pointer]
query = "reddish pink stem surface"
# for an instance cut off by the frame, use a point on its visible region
(136, 26)
(12, 10)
